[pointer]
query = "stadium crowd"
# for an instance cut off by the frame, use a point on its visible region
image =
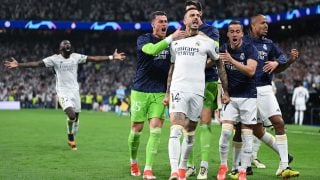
(134, 10)
(104, 78)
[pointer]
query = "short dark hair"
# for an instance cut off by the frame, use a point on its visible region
(157, 13)
(234, 22)
(189, 9)
(195, 3)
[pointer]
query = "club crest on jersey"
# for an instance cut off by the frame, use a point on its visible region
(265, 47)
(242, 57)
(197, 43)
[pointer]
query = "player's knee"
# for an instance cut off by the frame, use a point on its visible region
(71, 114)
(258, 130)
(278, 124)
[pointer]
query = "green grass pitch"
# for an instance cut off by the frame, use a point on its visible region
(33, 146)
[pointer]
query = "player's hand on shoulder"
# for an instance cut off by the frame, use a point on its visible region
(11, 63)
(178, 34)
(119, 56)
(270, 66)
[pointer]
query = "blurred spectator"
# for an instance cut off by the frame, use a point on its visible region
(135, 10)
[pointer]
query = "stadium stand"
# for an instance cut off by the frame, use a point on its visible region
(134, 10)
(104, 78)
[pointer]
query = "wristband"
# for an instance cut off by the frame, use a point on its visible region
(111, 57)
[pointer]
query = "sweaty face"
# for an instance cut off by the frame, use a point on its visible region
(65, 46)
(192, 19)
(260, 26)
(235, 34)
(160, 26)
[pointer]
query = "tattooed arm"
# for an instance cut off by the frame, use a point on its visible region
(167, 97)
(224, 81)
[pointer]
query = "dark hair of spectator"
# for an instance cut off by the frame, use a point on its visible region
(195, 3)
(157, 13)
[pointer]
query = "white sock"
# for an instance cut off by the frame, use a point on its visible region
(296, 116)
(75, 127)
(204, 164)
(246, 153)
(236, 148)
(226, 132)
(186, 149)
(147, 168)
(282, 143)
(255, 147)
(301, 117)
(270, 140)
(174, 146)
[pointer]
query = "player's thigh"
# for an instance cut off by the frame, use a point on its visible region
(76, 101)
(248, 111)
(195, 107)
(66, 99)
(230, 111)
(156, 107)
(178, 102)
(210, 93)
(139, 106)
(267, 103)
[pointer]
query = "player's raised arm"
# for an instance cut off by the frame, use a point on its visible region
(115, 56)
(13, 63)
(154, 49)
(294, 55)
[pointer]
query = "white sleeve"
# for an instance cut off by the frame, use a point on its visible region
(48, 61)
(213, 50)
(81, 58)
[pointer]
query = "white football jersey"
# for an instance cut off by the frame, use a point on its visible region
(66, 70)
(300, 95)
(190, 58)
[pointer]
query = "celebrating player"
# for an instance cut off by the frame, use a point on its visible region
(65, 65)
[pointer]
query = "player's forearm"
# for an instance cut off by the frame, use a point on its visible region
(31, 64)
(154, 49)
(223, 76)
(169, 78)
(282, 67)
(99, 58)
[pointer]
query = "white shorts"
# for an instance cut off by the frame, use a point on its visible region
(300, 107)
(70, 99)
(188, 103)
(267, 104)
(242, 110)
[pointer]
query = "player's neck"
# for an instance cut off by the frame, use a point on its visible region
(192, 32)
(65, 55)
